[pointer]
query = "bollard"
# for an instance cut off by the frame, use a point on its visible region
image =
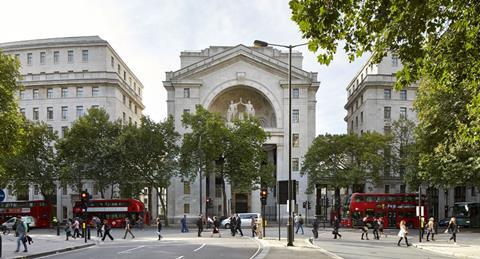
(84, 232)
(88, 232)
(0, 246)
(58, 230)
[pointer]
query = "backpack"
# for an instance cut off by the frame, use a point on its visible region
(300, 221)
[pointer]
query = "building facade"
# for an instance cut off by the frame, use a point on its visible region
(63, 78)
(373, 105)
(252, 79)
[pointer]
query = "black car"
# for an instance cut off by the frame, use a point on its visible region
(463, 222)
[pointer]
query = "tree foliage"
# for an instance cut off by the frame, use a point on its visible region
(10, 118)
(344, 160)
(439, 45)
(34, 162)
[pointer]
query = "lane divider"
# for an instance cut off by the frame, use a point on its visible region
(309, 242)
(130, 250)
(199, 248)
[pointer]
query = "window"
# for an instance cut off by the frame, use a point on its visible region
(295, 116)
(403, 112)
(130, 81)
(361, 117)
(64, 92)
(387, 188)
(186, 187)
(296, 140)
(35, 93)
(351, 125)
(35, 113)
(22, 94)
(79, 111)
(129, 120)
(387, 112)
(356, 104)
(35, 189)
(394, 61)
(403, 188)
(186, 208)
(460, 194)
(95, 91)
(473, 193)
(22, 111)
(95, 106)
(80, 91)
(361, 98)
(295, 93)
(295, 164)
(387, 94)
(403, 95)
(124, 118)
(70, 56)
(49, 113)
(85, 55)
(50, 128)
(56, 57)
(185, 111)
(29, 58)
(17, 56)
(387, 129)
(118, 69)
(135, 109)
(186, 92)
(124, 75)
(42, 58)
(64, 112)
(49, 93)
(124, 99)
(130, 104)
(356, 121)
(112, 62)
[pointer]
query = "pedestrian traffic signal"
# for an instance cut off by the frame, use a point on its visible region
(84, 196)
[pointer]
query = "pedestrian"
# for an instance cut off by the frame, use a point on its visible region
(315, 227)
(453, 229)
(200, 225)
(98, 226)
(381, 227)
(299, 224)
(365, 227)
(422, 227)
(21, 232)
(209, 222)
(54, 221)
(259, 228)
(376, 226)
(296, 219)
(431, 229)
(233, 222)
(76, 228)
(68, 229)
(159, 228)
(106, 230)
(336, 227)
(128, 228)
(238, 225)
(216, 227)
(403, 233)
(183, 223)
(253, 225)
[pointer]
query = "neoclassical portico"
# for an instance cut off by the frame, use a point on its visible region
(238, 82)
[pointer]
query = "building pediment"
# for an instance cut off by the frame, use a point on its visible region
(239, 53)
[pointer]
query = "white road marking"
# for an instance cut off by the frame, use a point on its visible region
(180, 257)
(130, 250)
(199, 248)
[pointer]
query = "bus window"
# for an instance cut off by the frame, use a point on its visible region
(358, 198)
(369, 213)
(370, 198)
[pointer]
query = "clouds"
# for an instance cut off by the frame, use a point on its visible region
(149, 35)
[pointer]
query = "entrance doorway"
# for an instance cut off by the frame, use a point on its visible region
(241, 203)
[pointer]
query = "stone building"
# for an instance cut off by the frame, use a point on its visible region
(63, 78)
(218, 76)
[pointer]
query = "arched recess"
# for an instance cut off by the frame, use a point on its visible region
(267, 108)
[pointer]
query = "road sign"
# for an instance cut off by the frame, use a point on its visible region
(420, 211)
(2, 195)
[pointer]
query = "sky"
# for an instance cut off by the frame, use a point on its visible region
(150, 34)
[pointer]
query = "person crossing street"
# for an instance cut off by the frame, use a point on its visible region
(336, 227)
(403, 233)
(106, 230)
(364, 228)
(238, 225)
(21, 232)
(159, 228)
(430, 229)
(200, 225)
(128, 228)
(299, 223)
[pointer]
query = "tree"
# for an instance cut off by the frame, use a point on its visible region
(150, 154)
(238, 149)
(34, 162)
(88, 152)
(344, 160)
(439, 45)
(10, 118)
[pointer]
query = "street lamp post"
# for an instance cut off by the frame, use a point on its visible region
(259, 43)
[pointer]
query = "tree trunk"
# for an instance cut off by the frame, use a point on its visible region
(162, 203)
(337, 202)
(224, 195)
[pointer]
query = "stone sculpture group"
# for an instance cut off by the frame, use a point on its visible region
(232, 111)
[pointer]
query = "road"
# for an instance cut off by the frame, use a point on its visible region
(174, 245)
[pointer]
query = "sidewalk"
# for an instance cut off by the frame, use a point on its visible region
(468, 246)
(275, 249)
(43, 244)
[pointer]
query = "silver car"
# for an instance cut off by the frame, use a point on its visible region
(27, 219)
(246, 219)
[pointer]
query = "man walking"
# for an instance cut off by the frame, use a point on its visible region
(76, 228)
(336, 227)
(106, 230)
(238, 225)
(233, 222)
(98, 225)
(216, 227)
(21, 232)
(299, 224)
(128, 228)
(200, 225)
(183, 223)
(376, 226)
(315, 226)
(364, 227)
(253, 224)
(159, 228)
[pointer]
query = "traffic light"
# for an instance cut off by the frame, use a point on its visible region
(85, 199)
(263, 196)
(304, 205)
(309, 205)
(209, 202)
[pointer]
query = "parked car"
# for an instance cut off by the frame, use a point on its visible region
(27, 219)
(463, 222)
(245, 217)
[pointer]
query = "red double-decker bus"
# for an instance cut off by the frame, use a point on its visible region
(391, 207)
(114, 211)
(39, 210)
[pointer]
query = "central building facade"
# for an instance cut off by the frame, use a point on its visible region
(236, 82)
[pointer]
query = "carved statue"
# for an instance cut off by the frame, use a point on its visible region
(232, 111)
(249, 109)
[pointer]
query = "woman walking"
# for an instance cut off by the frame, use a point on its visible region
(430, 229)
(106, 230)
(403, 233)
(159, 228)
(453, 228)
(364, 227)
(336, 227)
(216, 227)
(68, 229)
